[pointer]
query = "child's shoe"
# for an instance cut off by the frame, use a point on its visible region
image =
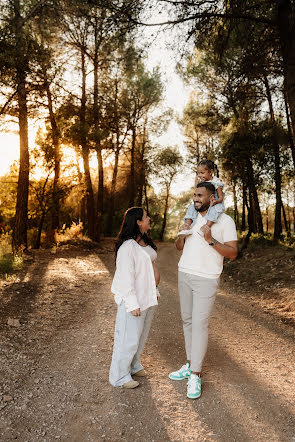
(185, 232)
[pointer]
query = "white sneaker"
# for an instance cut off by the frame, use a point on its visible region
(185, 232)
(183, 373)
(194, 386)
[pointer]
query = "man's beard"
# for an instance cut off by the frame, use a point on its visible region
(203, 207)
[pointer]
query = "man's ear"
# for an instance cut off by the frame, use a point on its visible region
(212, 198)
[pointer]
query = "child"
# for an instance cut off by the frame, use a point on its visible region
(134, 287)
(205, 172)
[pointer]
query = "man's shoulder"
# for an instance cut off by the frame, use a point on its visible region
(224, 219)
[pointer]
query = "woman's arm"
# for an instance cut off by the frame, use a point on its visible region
(156, 273)
(125, 278)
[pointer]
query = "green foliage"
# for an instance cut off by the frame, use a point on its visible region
(8, 190)
(8, 263)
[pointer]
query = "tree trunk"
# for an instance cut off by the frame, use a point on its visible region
(109, 227)
(19, 237)
(141, 179)
(57, 158)
(243, 226)
(165, 214)
(85, 155)
(267, 219)
(132, 169)
(286, 27)
(252, 219)
(251, 227)
(100, 194)
(276, 148)
(254, 201)
(82, 209)
(236, 212)
(287, 226)
(141, 166)
(40, 228)
(100, 189)
(146, 198)
(291, 135)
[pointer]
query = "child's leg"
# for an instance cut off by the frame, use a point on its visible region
(211, 216)
(136, 365)
(128, 331)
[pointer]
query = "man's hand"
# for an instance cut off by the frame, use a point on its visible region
(207, 233)
(229, 249)
(179, 243)
(136, 312)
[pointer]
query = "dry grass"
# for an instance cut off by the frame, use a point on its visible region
(8, 262)
(265, 274)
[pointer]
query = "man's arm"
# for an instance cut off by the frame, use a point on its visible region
(228, 249)
(180, 243)
(181, 239)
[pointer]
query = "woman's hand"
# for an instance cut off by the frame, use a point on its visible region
(136, 312)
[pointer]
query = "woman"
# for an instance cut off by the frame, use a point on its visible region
(135, 289)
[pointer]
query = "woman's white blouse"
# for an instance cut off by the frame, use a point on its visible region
(151, 252)
(134, 280)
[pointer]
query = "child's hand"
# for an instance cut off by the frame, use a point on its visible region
(184, 227)
(136, 312)
(213, 203)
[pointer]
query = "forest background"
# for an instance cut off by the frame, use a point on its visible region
(77, 70)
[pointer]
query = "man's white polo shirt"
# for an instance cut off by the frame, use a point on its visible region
(198, 258)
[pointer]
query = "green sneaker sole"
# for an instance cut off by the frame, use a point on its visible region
(193, 396)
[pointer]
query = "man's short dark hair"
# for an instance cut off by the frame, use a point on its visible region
(208, 186)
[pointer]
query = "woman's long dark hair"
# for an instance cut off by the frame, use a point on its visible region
(130, 229)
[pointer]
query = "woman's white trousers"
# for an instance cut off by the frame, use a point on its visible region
(131, 333)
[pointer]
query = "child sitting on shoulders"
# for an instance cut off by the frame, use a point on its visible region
(205, 172)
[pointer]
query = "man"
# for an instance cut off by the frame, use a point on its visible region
(199, 268)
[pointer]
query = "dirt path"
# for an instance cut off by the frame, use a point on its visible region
(54, 366)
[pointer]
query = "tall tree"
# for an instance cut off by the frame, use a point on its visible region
(166, 165)
(18, 55)
(143, 92)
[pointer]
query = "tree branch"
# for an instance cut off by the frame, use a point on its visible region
(205, 15)
(33, 10)
(7, 103)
